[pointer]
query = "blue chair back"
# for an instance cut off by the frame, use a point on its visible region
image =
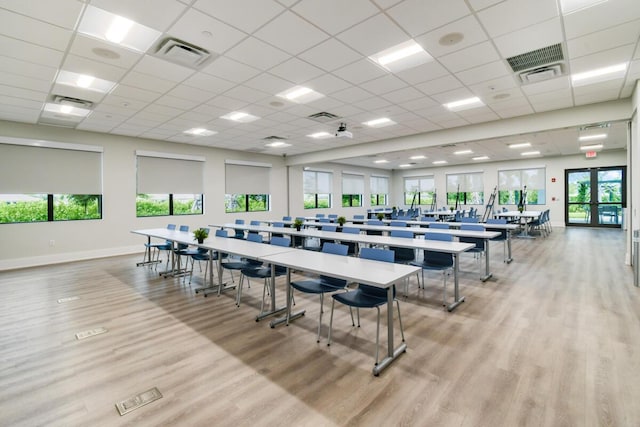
(375, 222)
(496, 221)
(222, 233)
(332, 216)
(319, 215)
(239, 221)
(184, 228)
(324, 220)
(503, 233)
(439, 236)
(377, 254)
(428, 219)
(286, 218)
(278, 224)
(435, 258)
(171, 226)
(472, 227)
(328, 228)
(281, 241)
(469, 219)
(402, 233)
(254, 237)
(358, 217)
(351, 230)
(253, 222)
(440, 225)
(398, 224)
(475, 240)
(335, 248)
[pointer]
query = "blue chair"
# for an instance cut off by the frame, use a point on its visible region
(319, 215)
(374, 232)
(286, 218)
(242, 263)
(469, 220)
(353, 246)
(239, 233)
(503, 234)
(323, 284)
(439, 225)
(403, 255)
(398, 224)
(437, 261)
(478, 250)
(263, 272)
(179, 249)
(358, 219)
(366, 296)
(205, 255)
(332, 217)
(427, 220)
(156, 248)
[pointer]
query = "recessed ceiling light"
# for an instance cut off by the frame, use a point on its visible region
(404, 165)
(458, 153)
(592, 147)
(451, 39)
(380, 123)
(593, 137)
(481, 158)
(320, 135)
(530, 153)
(464, 104)
(439, 162)
(277, 144)
(66, 109)
(520, 145)
(200, 132)
(571, 6)
(401, 57)
(300, 94)
(117, 29)
(599, 75)
(239, 116)
(381, 161)
(84, 81)
(418, 157)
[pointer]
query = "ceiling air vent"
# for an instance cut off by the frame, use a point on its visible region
(274, 138)
(182, 53)
(72, 102)
(536, 58)
(541, 73)
(323, 117)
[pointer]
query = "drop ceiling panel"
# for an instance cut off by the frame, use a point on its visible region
(419, 16)
(442, 84)
(231, 70)
(28, 69)
(373, 35)
(198, 95)
(147, 82)
(280, 32)
(478, 5)
(33, 31)
(483, 73)
(207, 82)
(330, 55)
(534, 37)
(601, 16)
(135, 93)
(96, 50)
(17, 92)
(62, 13)
(296, 71)
(422, 73)
(605, 58)
(335, 16)
(235, 13)
(81, 65)
(512, 15)
(269, 84)
(35, 54)
(24, 82)
(383, 84)
(468, 26)
(606, 39)
(257, 53)
(159, 17)
(403, 95)
(327, 84)
(360, 71)
(482, 53)
(162, 69)
(552, 85)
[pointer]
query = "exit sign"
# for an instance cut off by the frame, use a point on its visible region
(591, 154)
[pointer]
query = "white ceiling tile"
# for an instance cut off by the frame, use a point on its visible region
(403, 95)
(231, 70)
(467, 26)
(23, 82)
(352, 94)
(452, 95)
(385, 4)
(419, 16)
(606, 58)
(135, 93)
(258, 54)
(296, 71)
(227, 104)
(280, 32)
(330, 55)
(439, 85)
(536, 36)
(515, 111)
(373, 103)
(247, 15)
(147, 82)
(28, 69)
(552, 85)
(513, 15)
(208, 83)
(334, 16)
(162, 69)
(188, 92)
(327, 84)
(269, 83)
(18, 114)
(166, 107)
(422, 73)
(29, 52)
(484, 72)
(360, 71)
(419, 104)
(158, 17)
(495, 86)
(126, 106)
(482, 4)
(87, 47)
(33, 31)
(374, 35)
(470, 57)
(610, 86)
(606, 39)
(553, 104)
(17, 92)
(246, 94)
(63, 13)
(601, 16)
(81, 65)
(564, 95)
(204, 31)
(383, 84)
(20, 102)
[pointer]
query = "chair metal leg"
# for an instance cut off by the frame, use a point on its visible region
(400, 320)
(377, 337)
(320, 319)
(333, 303)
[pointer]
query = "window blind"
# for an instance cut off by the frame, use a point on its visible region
(379, 185)
(316, 182)
(166, 175)
(468, 182)
(247, 179)
(419, 183)
(352, 184)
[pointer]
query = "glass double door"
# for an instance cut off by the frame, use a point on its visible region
(595, 196)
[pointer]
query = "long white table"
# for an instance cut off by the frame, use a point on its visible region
(454, 248)
(375, 273)
(527, 216)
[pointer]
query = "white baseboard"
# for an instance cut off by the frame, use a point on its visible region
(15, 263)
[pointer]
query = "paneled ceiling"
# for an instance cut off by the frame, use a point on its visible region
(260, 48)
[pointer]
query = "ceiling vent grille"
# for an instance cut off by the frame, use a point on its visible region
(323, 117)
(594, 126)
(274, 138)
(536, 58)
(72, 102)
(541, 73)
(183, 53)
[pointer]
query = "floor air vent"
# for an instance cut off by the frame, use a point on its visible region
(183, 53)
(536, 58)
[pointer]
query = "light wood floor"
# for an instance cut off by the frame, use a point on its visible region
(552, 340)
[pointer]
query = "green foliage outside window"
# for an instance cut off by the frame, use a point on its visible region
(21, 208)
(34, 210)
(246, 202)
(152, 205)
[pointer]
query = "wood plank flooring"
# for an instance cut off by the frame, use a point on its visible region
(551, 340)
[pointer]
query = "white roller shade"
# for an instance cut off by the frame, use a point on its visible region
(27, 169)
(454, 183)
(379, 185)
(509, 180)
(316, 182)
(352, 184)
(534, 179)
(419, 183)
(247, 179)
(473, 182)
(158, 175)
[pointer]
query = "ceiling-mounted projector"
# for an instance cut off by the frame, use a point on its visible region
(342, 131)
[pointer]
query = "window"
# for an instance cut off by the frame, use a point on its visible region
(465, 188)
(169, 184)
(317, 189)
(247, 186)
(379, 190)
(49, 181)
(511, 183)
(352, 190)
(419, 190)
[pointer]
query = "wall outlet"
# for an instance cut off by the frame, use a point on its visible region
(52, 242)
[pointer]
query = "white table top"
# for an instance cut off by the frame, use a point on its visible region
(518, 214)
(455, 224)
(375, 273)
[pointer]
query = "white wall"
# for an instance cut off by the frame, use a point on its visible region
(555, 167)
(29, 244)
(634, 172)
